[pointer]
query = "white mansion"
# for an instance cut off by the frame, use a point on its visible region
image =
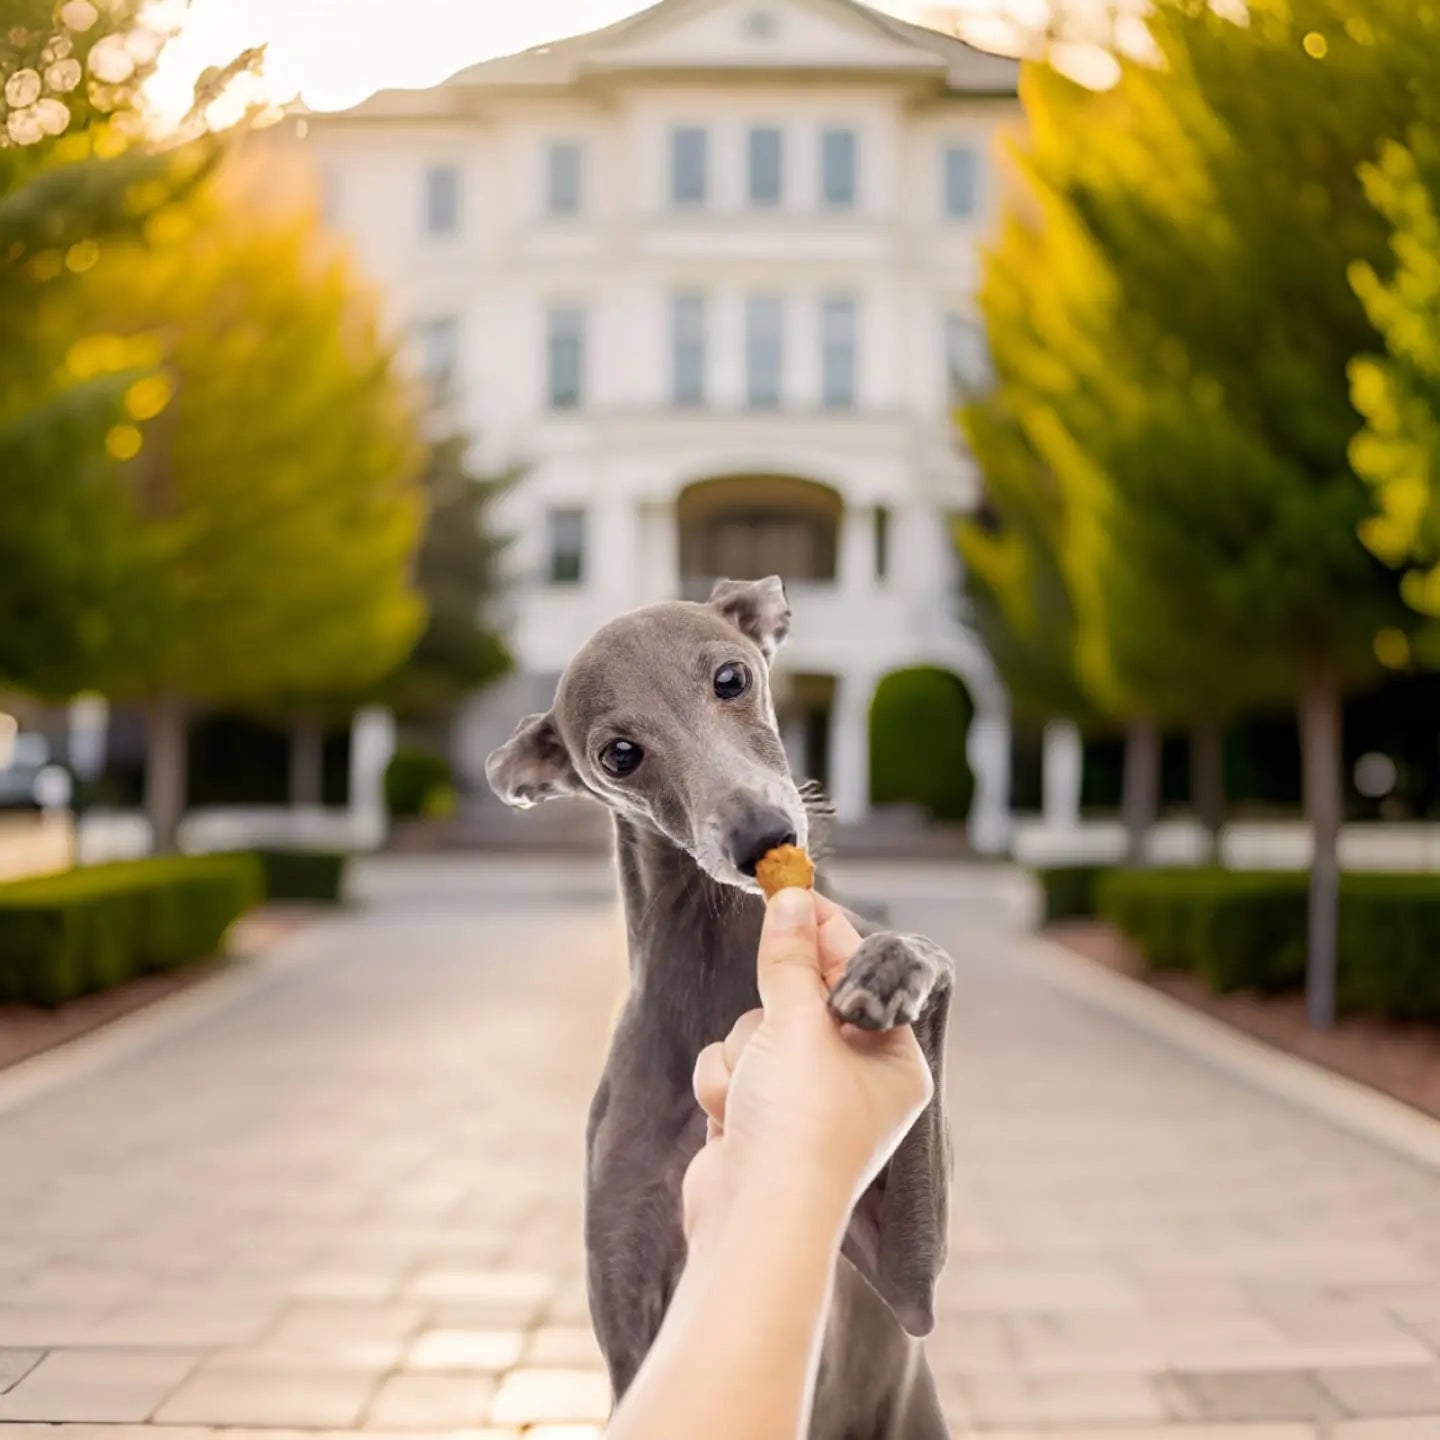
(708, 275)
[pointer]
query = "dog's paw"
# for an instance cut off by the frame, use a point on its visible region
(888, 981)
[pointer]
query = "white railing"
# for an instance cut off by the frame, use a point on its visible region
(1245, 844)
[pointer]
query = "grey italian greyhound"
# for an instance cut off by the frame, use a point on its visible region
(666, 716)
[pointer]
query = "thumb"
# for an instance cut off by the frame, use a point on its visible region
(789, 959)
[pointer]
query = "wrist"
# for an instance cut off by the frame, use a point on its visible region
(788, 1200)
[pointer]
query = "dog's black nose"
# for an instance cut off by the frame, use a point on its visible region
(754, 834)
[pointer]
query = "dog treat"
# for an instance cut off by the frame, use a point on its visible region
(783, 866)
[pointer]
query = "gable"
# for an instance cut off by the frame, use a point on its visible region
(761, 34)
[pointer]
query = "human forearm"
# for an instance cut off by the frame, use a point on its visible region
(736, 1355)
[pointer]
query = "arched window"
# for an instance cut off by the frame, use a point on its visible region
(748, 526)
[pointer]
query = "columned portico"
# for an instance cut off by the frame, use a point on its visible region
(850, 745)
(989, 754)
(857, 552)
(1062, 763)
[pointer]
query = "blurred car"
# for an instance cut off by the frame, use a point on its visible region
(29, 778)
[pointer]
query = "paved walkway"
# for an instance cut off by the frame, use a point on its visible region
(349, 1200)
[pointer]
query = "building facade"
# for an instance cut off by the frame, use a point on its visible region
(708, 276)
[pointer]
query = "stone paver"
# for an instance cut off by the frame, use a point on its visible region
(99, 1385)
(486, 1351)
(282, 1398)
(432, 1402)
(15, 1365)
(351, 1202)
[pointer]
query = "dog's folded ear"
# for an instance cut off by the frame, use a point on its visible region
(758, 609)
(532, 765)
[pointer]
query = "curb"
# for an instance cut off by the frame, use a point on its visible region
(1344, 1103)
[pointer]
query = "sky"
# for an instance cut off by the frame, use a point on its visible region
(336, 52)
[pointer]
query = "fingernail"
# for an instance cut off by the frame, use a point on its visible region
(793, 907)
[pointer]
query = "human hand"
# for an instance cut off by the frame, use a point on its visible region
(793, 1098)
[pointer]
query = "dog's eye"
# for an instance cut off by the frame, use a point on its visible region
(620, 757)
(732, 681)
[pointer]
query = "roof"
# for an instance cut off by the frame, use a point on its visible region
(957, 67)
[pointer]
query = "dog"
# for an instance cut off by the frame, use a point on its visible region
(666, 716)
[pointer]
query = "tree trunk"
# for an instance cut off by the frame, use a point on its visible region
(1207, 782)
(1140, 801)
(1320, 754)
(307, 762)
(166, 762)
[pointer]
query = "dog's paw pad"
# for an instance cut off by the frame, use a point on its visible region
(885, 984)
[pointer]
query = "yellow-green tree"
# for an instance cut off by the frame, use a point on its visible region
(271, 460)
(76, 174)
(1190, 329)
(460, 649)
(1398, 390)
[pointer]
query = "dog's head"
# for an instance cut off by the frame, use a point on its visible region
(666, 716)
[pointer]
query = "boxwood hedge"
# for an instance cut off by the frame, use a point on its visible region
(1246, 930)
(304, 874)
(1068, 891)
(66, 935)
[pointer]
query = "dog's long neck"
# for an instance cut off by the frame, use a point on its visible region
(692, 940)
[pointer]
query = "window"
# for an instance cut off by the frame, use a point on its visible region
(567, 357)
(766, 160)
(756, 525)
(959, 182)
(687, 341)
(837, 169)
(882, 542)
(439, 341)
(567, 547)
(442, 200)
(764, 350)
(837, 352)
(563, 178)
(688, 152)
(967, 355)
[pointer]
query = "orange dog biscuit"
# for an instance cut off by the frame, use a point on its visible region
(783, 866)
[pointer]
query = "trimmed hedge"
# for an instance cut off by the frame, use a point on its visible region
(1390, 945)
(66, 935)
(304, 874)
(1246, 930)
(1069, 890)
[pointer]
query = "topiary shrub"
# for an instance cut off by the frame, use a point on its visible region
(418, 783)
(919, 720)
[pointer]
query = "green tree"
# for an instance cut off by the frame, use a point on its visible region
(271, 463)
(1047, 299)
(1398, 392)
(1195, 409)
(1015, 588)
(459, 650)
(75, 174)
